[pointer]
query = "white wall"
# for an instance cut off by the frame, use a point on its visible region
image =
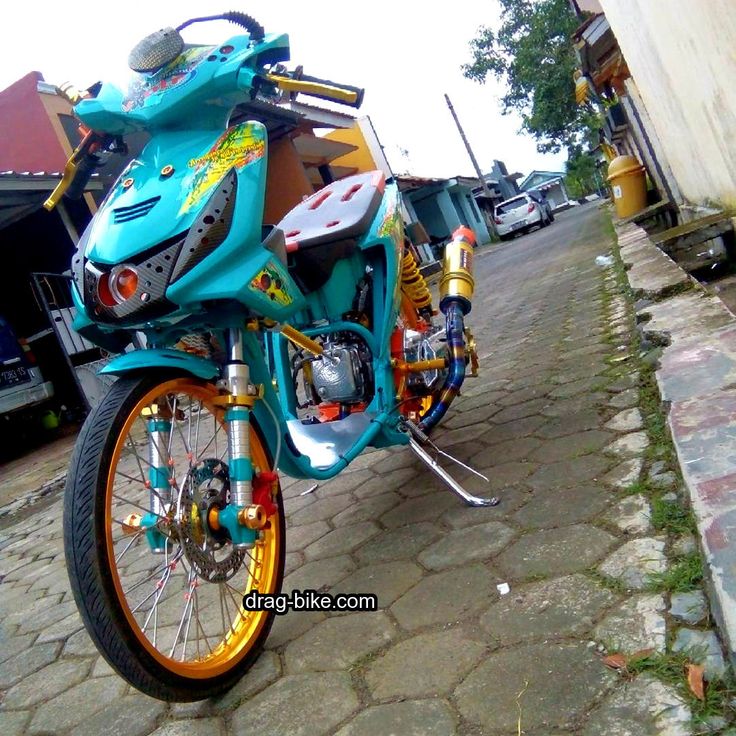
(682, 55)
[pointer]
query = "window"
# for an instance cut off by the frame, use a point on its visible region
(512, 204)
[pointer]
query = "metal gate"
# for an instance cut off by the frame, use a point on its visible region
(83, 358)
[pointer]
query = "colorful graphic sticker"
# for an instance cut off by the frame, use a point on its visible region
(392, 226)
(235, 148)
(174, 74)
(271, 283)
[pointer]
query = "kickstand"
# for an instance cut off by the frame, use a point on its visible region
(416, 434)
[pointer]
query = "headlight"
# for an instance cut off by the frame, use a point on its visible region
(118, 286)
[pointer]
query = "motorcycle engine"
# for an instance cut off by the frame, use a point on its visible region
(344, 373)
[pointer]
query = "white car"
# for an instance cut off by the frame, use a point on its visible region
(21, 382)
(521, 213)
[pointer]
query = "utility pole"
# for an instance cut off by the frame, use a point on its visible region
(478, 172)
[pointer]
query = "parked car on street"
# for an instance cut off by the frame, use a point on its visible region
(21, 383)
(521, 213)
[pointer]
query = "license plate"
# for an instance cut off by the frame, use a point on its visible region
(12, 376)
(517, 225)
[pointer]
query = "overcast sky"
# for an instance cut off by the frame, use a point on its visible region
(406, 54)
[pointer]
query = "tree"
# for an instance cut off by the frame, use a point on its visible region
(533, 54)
(580, 178)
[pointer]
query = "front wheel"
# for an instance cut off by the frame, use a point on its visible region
(171, 622)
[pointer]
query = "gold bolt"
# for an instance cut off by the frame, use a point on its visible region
(253, 516)
(128, 183)
(167, 170)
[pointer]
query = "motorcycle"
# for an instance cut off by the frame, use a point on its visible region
(268, 349)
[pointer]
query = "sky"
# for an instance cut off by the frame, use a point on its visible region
(406, 53)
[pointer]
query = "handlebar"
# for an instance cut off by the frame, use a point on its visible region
(324, 89)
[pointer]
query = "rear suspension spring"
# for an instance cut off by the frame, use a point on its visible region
(413, 283)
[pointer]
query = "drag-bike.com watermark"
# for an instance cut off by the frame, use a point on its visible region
(309, 600)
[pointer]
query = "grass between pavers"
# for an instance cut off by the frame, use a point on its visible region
(669, 516)
(671, 668)
(683, 575)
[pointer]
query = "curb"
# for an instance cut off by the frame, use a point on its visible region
(696, 376)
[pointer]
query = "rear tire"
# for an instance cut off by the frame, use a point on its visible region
(102, 485)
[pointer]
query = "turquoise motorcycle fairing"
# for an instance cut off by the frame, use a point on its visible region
(187, 216)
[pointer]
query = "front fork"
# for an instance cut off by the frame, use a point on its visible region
(240, 397)
(242, 518)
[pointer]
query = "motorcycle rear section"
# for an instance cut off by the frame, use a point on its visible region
(288, 348)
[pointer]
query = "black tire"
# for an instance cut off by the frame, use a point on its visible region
(92, 572)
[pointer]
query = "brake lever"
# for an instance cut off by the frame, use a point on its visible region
(89, 145)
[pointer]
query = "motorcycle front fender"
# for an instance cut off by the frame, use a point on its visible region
(161, 358)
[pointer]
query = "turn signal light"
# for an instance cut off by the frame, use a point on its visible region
(117, 286)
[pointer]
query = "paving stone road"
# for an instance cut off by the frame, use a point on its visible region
(557, 434)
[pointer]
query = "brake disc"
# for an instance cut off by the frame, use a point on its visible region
(210, 554)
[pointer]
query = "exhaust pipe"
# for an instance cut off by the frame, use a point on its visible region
(456, 291)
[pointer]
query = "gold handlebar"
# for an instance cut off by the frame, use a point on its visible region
(317, 88)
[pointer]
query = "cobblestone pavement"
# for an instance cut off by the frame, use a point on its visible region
(553, 422)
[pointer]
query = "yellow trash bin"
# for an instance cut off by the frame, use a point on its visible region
(628, 179)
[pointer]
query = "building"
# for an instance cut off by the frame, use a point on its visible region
(667, 88)
(550, 183)
(442, 205)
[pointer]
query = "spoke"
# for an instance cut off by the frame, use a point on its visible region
(173, 421)
(196, 434)
(207, 446)
(187, 445)
(176, 560)
(160, 586)
(222, 611)
(215, 426)
(238, 606)
(199, 623)
(128, 477)
(136, 538)
(138, 458)
(188, 598)
(186, 632)
(146, 483)
(137, 505)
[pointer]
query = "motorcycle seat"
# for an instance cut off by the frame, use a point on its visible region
(342, 210)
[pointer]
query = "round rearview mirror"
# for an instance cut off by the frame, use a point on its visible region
(156, 51)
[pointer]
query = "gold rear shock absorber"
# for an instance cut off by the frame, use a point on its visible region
(413, 283)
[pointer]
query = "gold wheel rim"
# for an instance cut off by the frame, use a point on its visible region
(262, 570)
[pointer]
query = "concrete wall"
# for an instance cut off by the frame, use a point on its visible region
(681, 55)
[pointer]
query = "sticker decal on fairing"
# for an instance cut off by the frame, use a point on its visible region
(271, 283)
(181, 70)
(235, 148)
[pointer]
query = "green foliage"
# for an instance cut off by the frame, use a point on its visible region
(672, 517)
(671, 668)
(581, 173)
(533, 54)
(683, 575)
